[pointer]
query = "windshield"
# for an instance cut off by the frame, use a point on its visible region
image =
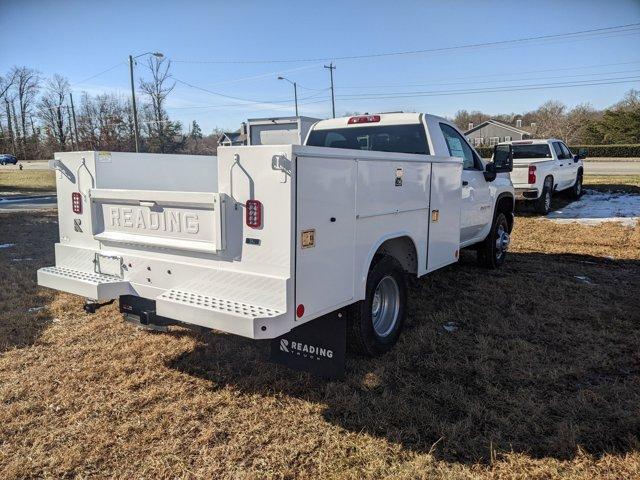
(540, 150)
(379, 138)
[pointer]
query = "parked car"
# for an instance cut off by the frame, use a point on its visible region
(7, 158)
(544, 167)
(264, 241)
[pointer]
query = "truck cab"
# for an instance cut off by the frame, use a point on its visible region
(483, 193)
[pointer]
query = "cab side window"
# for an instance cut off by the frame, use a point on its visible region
(558, 150)
(458, 147)
(565, 151)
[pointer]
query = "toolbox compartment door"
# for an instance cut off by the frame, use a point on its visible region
(325, 233)
(445, 206)
(188, 221)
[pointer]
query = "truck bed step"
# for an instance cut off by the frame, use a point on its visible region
(228, 315)
(88, 284)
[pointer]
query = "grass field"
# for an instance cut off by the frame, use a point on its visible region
(540, 380)
(27, 181)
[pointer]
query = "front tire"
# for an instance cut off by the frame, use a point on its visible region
(375, 323)
(492, 252)
(576, 190)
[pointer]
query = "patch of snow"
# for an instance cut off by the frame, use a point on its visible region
(595, 207)
(450, 327)
(582, 279)
(27, 259)
(35, 309)
(6, 245)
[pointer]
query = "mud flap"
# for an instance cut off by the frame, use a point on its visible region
(317, 347)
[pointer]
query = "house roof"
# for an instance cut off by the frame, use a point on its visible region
(232, 137)
(499, 124)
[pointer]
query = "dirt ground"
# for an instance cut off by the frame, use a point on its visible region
(541, 379)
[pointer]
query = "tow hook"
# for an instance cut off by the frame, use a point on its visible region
(91, 307)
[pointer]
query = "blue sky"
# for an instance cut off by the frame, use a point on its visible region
(81, 38)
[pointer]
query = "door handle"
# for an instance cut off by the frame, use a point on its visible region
(465, 183)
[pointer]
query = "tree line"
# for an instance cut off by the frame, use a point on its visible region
(40, 116)
(580, 125)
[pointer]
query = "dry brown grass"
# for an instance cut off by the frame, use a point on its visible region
(541, 380)
(615, 183)
(26, 181)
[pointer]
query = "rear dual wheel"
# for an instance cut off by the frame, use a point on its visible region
(375, 323)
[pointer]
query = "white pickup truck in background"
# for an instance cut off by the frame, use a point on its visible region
(264, 239)
(543, 167)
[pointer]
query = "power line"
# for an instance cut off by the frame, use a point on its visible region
(99, 73)
(218, 94)
(360, 87)
(590, 32)
(506, 88)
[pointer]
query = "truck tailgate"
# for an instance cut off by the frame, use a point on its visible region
(520, 174)
(192, 221)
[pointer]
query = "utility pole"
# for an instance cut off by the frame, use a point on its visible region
(133, 104)
(331, 68)
(136, 131)
(70, 130)
(73, 111)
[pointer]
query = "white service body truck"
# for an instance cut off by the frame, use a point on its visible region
(543, 167)
(264, 239)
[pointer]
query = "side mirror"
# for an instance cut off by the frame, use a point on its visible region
(582, 153)
(490, 172)
(576, 158)
(503, 158)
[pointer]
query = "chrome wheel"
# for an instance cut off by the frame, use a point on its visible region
(385, 306)
(502, 241)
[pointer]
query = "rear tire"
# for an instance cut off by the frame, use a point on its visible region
(375, 323)
(543, 204)
(492, 252)
(576, 190)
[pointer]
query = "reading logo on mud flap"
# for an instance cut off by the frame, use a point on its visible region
(299, 348)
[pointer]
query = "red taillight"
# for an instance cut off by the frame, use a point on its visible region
(364, 119)
(532, 174)
(254, 214)
(300, 311)
(76, 202)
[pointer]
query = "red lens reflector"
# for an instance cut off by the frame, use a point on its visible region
(76, 202)
(364, 119)
(253, 214)
(300, 311)
(532, 174)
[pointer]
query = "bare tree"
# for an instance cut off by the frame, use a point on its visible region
(157, 89)
(51, 108)
(26, 86)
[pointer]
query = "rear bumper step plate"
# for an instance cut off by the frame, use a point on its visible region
(87, 284)
(244, 319)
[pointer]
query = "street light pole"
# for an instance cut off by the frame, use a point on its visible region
(136, 131)
(295, 91)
